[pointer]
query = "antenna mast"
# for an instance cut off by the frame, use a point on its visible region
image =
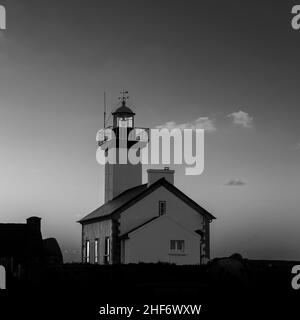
(104, 109)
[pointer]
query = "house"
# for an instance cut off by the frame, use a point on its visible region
(151, 222)
(22, 248)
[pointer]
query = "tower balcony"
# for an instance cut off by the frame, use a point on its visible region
(131, 135)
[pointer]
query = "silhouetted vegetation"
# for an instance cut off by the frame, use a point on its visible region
(226, 287)
(220, 275)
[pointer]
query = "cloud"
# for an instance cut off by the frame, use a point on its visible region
(242, 118)
(235, 183)
(298, 146)
(201, 123)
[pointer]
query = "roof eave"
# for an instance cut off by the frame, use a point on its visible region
(95, 219)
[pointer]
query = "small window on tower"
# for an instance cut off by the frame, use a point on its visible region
(162, 207)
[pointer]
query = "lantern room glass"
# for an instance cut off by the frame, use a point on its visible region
(125, 122)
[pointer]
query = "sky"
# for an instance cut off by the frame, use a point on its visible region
(234, 64)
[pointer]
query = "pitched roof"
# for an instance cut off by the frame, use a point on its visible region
(131, 196)
(114, 204)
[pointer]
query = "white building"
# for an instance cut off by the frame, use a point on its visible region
(152, 222)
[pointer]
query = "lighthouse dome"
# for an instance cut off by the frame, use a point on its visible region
(123, 110)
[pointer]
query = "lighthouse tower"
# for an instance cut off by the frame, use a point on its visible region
(122, 174)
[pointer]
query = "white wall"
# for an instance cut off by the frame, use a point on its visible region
(151, 243)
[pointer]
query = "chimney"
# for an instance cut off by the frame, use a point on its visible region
(156, 174)
(34, 223)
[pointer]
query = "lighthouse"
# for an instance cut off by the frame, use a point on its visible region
(117, 141)
(150, 222)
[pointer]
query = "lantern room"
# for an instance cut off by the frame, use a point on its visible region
(123, 117)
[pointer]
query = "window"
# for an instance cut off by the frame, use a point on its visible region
(162, 207)
(96, 250)
(87, 251)
(129, 122)
(177, 246)
(107, 250)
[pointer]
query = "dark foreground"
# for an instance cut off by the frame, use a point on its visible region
(227, 288)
